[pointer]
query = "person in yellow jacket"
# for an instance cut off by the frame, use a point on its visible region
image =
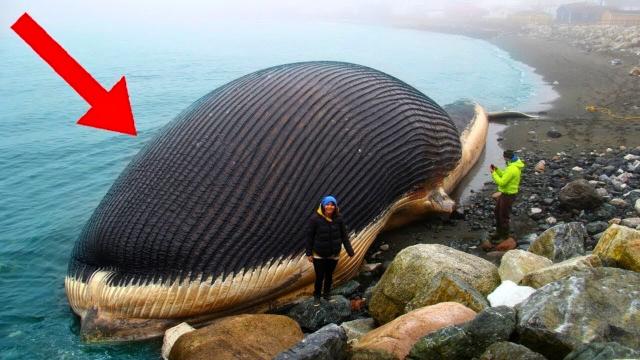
(508, 181)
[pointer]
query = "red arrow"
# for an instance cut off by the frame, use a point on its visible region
(110, 110)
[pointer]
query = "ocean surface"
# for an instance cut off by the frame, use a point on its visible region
(53, 173)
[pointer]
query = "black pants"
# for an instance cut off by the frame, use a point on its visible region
(503, 214)
(324, 273)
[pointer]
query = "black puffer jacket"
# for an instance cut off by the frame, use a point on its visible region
(325, 238)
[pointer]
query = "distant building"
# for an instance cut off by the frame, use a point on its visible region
(531, 17)
(580, 13)
(620, 17)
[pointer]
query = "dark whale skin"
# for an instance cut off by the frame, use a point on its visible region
(229, 184)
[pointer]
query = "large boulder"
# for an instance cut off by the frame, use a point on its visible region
(328, 343)
(414, 272)
(467, 340)
(312, 316)
(504, 350)
(620, 246)
(259, 336)
(602, 351)
(509, 294)
(539, 278)
(597, 305)
(448, 287)
(515, 264)
(395, 339)
(561, 242)
(579, 194)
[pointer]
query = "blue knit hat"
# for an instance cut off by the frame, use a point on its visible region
(329, 199)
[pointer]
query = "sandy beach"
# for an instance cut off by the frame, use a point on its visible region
(583, 79)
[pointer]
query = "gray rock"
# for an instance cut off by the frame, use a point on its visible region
(467, 340)
(606, 211)
(631, 222)
(596, 305)
(637, 206)
(368, 292)
(618, 202)
(346, 289)
(618, 185)
(579, 194)
(547, 201)
(355, 329)
(632, 196)
(328, 343)
(451, 342)
(602, 192)
(561, 242)
(553, 133)
(633, 167)
(491, 325)
(504, 350)
(602, 351)
(311, 316)
(596, 227)
(609, 169)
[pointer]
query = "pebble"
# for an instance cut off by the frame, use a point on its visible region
(553, 133)
(551, 220)
(385, 247)
(618, 185)
(371, 267)
(631, 222)
(602, 192)
(634, 166)
(615, 221)
(618, 202)
(631, 157)
(577, 169)
(535, 212)
(540, 166)
(637, 206)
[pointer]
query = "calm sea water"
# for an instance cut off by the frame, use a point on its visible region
(53, 173)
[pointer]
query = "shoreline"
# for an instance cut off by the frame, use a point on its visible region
(582, 78)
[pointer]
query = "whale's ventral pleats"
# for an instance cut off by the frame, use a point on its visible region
(228, 185)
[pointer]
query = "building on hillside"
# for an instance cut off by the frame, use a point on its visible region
(620, 17)
(580, 13)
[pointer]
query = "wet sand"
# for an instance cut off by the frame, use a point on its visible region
(582, 79)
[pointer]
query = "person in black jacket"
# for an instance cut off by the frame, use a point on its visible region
(327, 234)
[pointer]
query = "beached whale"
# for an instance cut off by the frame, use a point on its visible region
(209, 218)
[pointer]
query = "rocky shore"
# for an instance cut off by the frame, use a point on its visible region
(578, 238)
(599, 38)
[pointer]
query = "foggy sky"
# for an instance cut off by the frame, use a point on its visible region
(196, 13)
